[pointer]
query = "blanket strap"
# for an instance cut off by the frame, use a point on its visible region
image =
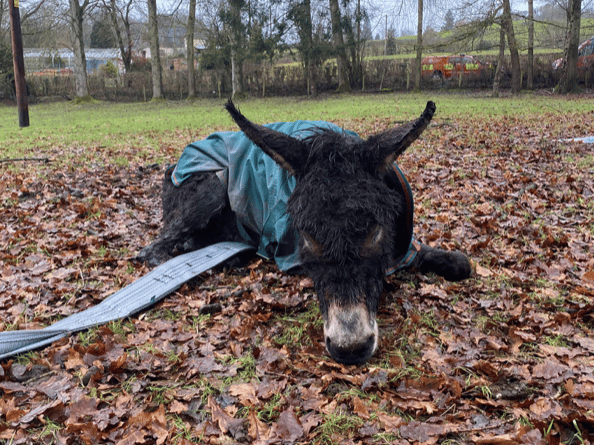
(144, 292)
(414, 247)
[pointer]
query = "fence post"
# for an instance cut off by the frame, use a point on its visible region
(407, 76)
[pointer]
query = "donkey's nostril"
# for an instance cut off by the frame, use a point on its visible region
(351, 353)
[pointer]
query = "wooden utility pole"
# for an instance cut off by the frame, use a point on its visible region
(19, 63)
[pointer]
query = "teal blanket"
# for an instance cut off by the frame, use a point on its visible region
(257, 187)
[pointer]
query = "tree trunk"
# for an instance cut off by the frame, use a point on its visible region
(125, 50)
(344, 84)
(81, 85)
(569, 79)
(307, 41)
(156, 68)
(500, 59)
(190, 49)
(236, 74)
(530, 65)
(507, 23)
(236, 49)
(417, 75)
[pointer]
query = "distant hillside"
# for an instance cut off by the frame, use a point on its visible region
(548, 39)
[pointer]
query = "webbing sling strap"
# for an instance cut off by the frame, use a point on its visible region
(133, 298)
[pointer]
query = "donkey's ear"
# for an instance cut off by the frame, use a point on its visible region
(388, 145)
(288, 152)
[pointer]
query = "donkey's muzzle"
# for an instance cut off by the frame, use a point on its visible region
(351, 334)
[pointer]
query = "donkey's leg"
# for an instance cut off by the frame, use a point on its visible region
(187, 210)
(453, 266)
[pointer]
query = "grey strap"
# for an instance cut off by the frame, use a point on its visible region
(135, 297)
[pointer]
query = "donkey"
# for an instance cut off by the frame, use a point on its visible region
(316, 198)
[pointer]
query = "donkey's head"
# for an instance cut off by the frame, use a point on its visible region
(347, 219)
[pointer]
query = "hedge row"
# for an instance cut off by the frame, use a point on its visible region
(284, 80)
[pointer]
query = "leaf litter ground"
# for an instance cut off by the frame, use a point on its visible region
(237, 356)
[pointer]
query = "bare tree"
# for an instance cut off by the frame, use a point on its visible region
(236, 50)
(190, 49)
(76, 16)
(487, 14)
(300, 14)
(157, 70)
(508, 26)
(530, 64)
(307, 42)
(344, 84)
(497, 78)
(45, 25)
(419, 46)
(568, 82)
(119, 15)
(3, 6)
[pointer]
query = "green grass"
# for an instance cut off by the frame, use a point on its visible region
(76, 132)
(336, 424)
(295, 326)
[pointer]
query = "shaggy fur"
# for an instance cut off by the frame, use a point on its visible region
(348, 209)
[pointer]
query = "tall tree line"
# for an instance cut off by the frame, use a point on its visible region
(478, 16)
(236, 32)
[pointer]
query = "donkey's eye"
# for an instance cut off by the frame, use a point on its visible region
(376, 235)
(372, 244)
(311, 245)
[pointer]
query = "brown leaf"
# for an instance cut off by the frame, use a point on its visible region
(246, 393)
(177, 407)
(360, 408)
(588, 277)
(432, 290)
(483, 272)
(544, 408)
(533, 437)
(501, 439)
(288, 426)
(41, 267)
(224, 420)
(85, 406)
(31, 415)
(258, 430)
(549, 369)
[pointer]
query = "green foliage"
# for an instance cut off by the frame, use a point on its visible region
(110, 69)
(253, 42)
(448, 21)
(102, 35)
(6, 70)
(6, 64)
(391, 45)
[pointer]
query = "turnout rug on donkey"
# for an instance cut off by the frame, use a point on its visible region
(258, 189)
(307, 194)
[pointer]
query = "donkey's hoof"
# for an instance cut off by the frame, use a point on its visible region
(456, 268)
(152, 257)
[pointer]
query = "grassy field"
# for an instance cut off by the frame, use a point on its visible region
(104, 124)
